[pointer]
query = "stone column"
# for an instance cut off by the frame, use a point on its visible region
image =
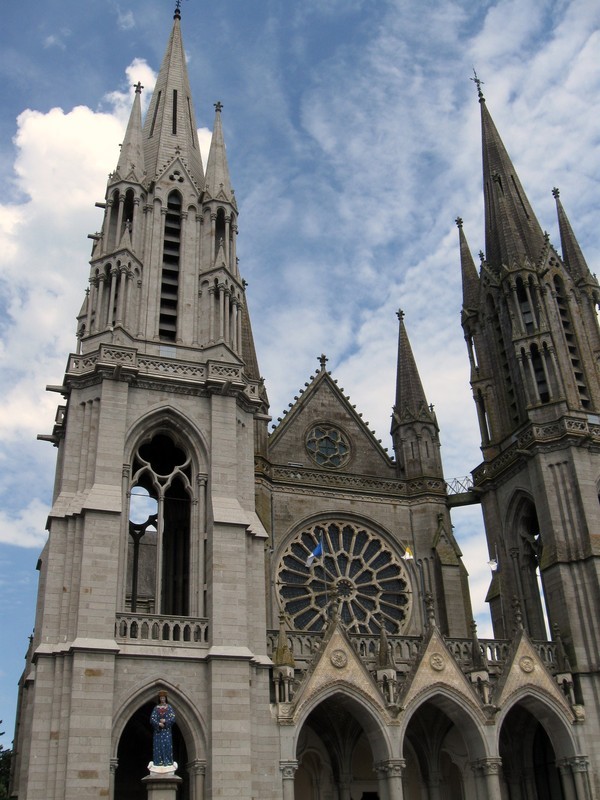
(345, 786)
(566, 779)
(197, 772)
(394, 778)
(288, 771)
(433, 785)
(221, 311)
(579, 768)
(489, 769)
(389, 774)
(382, 786)
(114, 763)
(162, 787)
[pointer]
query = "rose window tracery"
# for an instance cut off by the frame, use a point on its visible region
(328, 446)
(371, 583)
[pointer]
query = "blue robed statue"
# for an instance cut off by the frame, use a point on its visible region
(162, 720)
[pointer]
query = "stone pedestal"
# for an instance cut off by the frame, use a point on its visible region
(162, 787)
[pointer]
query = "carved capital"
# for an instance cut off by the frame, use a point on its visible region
(487, 766)
(288, 769)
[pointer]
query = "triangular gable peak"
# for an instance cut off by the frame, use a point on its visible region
(437, 667)
(178, 173)
(336, 667)
(323, 403)
(526, 671)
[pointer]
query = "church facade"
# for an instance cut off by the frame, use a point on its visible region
(298, 594)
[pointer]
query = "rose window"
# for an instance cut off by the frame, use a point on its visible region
(328, 446)
(357, 566)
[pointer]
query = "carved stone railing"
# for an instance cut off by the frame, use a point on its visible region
(404, 650)
(157, 629)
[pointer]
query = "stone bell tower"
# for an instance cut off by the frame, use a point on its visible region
(531, 327)
(153, 572)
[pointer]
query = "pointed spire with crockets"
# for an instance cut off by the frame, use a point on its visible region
(170, 127)
(218, 183)
(131, 160)
(571, 251)
(410, 397)
(512, 233)
(470, 278)
(414, 425)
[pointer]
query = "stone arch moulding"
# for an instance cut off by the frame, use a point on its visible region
(382, 739)
(167, 420)
(189, 719)
(519, 498)
(546, 710)
(459, 708)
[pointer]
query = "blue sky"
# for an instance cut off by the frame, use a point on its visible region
(353, 141)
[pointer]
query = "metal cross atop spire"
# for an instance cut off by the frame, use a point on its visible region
(478, 82)
(218, 106)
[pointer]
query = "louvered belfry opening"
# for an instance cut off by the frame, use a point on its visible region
(169, 287)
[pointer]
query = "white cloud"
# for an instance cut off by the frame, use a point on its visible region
(26, 528)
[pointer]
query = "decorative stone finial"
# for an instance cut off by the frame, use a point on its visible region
(177, 14)
(459, 222)
(400, 314)
(138, 87)
(218, 106)
(555, 193)
(478, 82)
(322, 361)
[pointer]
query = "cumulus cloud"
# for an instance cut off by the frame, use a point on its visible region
(61, 165)
(26, 527)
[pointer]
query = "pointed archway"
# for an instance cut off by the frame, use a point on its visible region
(338, 749)
(135, 751)
(528, 759)
(436, 755)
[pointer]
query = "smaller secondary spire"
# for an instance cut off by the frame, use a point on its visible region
(571, 251)
(478, 82)
(409, 389)
(218, 182)
(470, 278)
(131, 159)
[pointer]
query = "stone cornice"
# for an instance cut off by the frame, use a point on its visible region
(536, 438)
(298, 480)
(150, 371)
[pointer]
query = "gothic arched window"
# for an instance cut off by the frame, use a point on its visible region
(158, 573)
(527, 555)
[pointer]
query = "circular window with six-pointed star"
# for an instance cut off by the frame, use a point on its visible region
(356, 565)
(328, 446)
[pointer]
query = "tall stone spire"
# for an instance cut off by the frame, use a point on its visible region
(470, 278)
(414, 426)
(410, 396)
(512, 232)
(218, 183)
(170, 127)
(571, 251)
(131, 159)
